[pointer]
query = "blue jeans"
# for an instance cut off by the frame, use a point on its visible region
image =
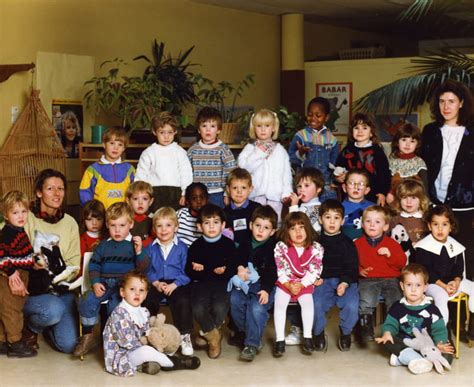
(325, 298)
(216, 198)
(55, 317)
(249, 315)
(89, 304)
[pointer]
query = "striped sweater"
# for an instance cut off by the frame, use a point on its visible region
(187, 227)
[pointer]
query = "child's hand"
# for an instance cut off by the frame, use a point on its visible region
(286, 201)
(318, 282)
(99, 289)
(341, 288)
(16, 285)
(384, 251)
(341, 178)
(219, 270)
(302, 150)
(263, 299)
(243, 273)
(226, 200)
(169, 288)
(365, 271)
(390, 198)
(197, 266)
(182, 201)
(387, 336)
(295, 288)
(294, 199)
(445, 347)
(380, 199)
(137, 244)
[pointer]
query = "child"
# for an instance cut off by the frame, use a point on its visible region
(380, 262)
(443, 258)
(16, 258)
(309, 184)
(364, 152)
(267, 161)
(211, 263)
(250, 301)
(93, 226)
(315, 146)
(338, 282)
(210, 158)
(166, 273)
(165, 165)
(196, 197)
(240, 210)
(110, 261)
(139, 196)
(124, 354)
(298, 259)
(356, 186)
(404, 161)
(108, 179)
(414, 310)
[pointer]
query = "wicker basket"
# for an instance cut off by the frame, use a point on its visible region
(229, 133)
(362, 53)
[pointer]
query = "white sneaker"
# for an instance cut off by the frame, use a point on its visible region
(295, 337)
(186, 345)
(420, 366)
(394, 362)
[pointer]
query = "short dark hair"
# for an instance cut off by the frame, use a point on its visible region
(46, 174)
(331, 205)
(442, 210)
(266, 213)
(210, 210)
(207, 114)
(406, 130)
(192, 186)
(313, 174)
(466, 114)
(414, 268)
(323, 102)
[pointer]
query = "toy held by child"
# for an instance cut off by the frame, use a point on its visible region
(196, 197)
(140, 197)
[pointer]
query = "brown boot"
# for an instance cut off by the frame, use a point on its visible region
(86, 343)
(214, 338)
(29, 338)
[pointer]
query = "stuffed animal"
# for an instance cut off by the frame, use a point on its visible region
(423, 344)
(163, 337)
(400, 234)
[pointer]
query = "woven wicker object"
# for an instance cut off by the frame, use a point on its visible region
(31, 146)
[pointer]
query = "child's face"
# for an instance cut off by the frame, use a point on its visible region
(262, 229)
(410, 204)
(212, 226)
(165, 229)
(264, 130)
(440, 227)
(298, 235)
(93, 224)
(197, 199)
(113, 149)
(331, 222)
(70, 130)
(374, 224)
(17, 215)
(316, 117)
(362, 133)
(414, 288)
(307, 190)
(356, 188)
(140, 202)
(239, 191)
(134, 291)
(165, 135)
(407, 145)
(119, 228)
(208, 130)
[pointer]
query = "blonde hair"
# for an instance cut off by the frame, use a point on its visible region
(139, 186)
(11, 198)
(117, 210)
(115, 132)
(410, 187)
(381, 210)
(165, 212)
(263, 116)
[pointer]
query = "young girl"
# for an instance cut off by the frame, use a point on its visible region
(443, 257)
(298, 258)
(70, 133)
(123, 352)
(404, 161)
(267, 161)
(363, 151)
(93, 226)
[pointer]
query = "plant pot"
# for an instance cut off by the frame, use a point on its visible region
(229, 133)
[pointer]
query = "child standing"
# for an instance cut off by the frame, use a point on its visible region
(16, 258)
(363, 151)
(380, 262)
(123, 352)
(110, 261)
(338, 282)
(108, 179)
(93, 226)
(140, 197)
(196, 197)
(315, 146)
(166, 273)
(210, 158)
(267, 161)
(165, 164)
(211, 263)
(298, 259)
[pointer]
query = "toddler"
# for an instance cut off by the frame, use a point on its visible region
(140, 197)
(93, 226)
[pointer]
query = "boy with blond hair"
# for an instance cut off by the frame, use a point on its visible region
(139, 196)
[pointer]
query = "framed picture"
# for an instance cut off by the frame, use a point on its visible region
(339, 96)
(388, 124)
(67, 117)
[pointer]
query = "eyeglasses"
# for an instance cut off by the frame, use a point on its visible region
(353, 184)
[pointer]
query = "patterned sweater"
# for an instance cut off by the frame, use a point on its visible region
(187, 227)
(16, 251)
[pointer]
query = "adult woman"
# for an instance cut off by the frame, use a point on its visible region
(53, 315)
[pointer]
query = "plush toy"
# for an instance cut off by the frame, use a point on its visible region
(164, 337)
(423, 344)
(400, 234)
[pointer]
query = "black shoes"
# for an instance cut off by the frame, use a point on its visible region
(344, 343)
(320, 342)
(366, 328)
(248, 353)
(308, 346)
(183, 363)
(279, 349)
(237, 339)
(3, 348)
(20, 349)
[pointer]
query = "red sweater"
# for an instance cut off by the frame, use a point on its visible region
(383, 267)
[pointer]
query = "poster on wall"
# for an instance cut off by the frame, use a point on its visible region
(68, 121)
(388, 124)
(339, 96)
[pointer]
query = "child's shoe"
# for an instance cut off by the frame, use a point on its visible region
(183, 363)
(200, 341)
(308, 346)
(86, 343)
(470, 328)
(279, 349)
(420, 366)
(29, 337)
(295, 337)
(366, 327)
(149, 367)
(20, 349)
(237, 339)
(320, 342)
(214, 338)
(393, 361)
(344, 342)
(3, 348)
(248, 353)
(186, 345)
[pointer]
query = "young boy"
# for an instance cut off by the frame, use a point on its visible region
(16, 258)
(414, 310)
(111, 260)
(356, 186)
(315, 146)
(253, 288)
(211, 263)
(165, 164)
(166, 273)
(139, 196)
(210, 158)
(380, 260)
(338, 282)
(241, 208)
(108, 179)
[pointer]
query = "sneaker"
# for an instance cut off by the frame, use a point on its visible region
(394, 362)
(186, 345)
(308, 346)
(344, 343)
(20, 349)
(149, 367)
(3, 348)
(183, 363)
(295, 337)
(248, 353)
(86, 343)
(279, 349)
(420, 366)
(320, 342)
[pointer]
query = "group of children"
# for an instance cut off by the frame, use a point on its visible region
(229, 252)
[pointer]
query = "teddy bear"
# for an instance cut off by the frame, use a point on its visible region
(163, 337)
(400, 234)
